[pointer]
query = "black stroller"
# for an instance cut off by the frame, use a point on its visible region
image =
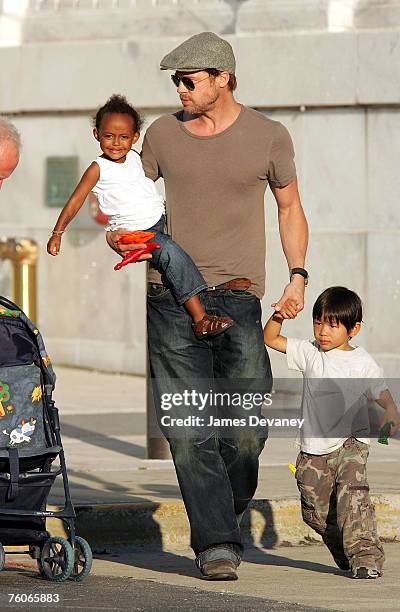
(30, 441)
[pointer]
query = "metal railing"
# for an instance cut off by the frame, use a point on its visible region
(23, 255)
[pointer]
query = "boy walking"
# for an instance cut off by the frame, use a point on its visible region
(331, 466)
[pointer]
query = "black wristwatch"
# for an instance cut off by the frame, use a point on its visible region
(302, 273)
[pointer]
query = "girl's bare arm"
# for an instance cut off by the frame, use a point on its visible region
(74, 204)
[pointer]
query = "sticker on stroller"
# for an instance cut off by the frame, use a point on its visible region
(6, 312)
(36, 394)
(22, 433)
(4, 396)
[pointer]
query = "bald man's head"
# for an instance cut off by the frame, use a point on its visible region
(9, 149)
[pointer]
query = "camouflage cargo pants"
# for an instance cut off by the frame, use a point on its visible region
(335, 502)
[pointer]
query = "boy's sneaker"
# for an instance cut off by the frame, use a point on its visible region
(366, 573)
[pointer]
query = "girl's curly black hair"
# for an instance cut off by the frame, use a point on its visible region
(118, 104)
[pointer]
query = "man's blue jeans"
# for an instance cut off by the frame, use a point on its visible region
(217, 473)
(178, 270)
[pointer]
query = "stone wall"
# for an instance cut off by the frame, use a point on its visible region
(336, 91)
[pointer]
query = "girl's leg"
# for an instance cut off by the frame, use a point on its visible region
(180, 274)
(195, 308)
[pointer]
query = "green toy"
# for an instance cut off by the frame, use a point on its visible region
(384, 433)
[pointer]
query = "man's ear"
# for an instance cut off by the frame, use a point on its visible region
(354, 331)
(223, 78)
(136, 137)
(96, 134)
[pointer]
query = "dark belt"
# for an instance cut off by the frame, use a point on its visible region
(236, 283)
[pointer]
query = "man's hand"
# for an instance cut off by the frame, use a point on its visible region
(113, 242)
(292, 300)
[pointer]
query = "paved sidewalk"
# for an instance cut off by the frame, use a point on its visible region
(284, 579)
(304, 576)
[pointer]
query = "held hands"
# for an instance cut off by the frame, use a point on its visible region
(292, 300)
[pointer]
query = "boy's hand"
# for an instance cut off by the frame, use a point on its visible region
(391, 415)
(386, 401)
(113, 242)
(54, 245)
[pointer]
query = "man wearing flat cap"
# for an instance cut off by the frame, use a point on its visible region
(216, 158)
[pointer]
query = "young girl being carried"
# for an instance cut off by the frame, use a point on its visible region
(132, 203)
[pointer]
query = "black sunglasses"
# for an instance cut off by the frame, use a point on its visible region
(186, 81)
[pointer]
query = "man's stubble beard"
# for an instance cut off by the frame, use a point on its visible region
(199, 110)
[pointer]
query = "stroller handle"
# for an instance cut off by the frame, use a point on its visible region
(8, 303)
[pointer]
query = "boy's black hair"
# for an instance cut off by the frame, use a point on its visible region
(118, 104)
(338, 305)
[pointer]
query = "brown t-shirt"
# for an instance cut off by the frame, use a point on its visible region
(214, 187)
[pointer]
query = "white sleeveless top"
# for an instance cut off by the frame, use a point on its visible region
(126, 195)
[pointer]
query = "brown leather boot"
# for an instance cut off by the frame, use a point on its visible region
(220, 569)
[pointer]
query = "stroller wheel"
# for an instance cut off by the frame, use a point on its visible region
(2, 557)
(56, 559)
(83, 559)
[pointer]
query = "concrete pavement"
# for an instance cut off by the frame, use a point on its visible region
(301, 579)
(128, 594)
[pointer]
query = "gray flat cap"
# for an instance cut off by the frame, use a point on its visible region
(201, 51)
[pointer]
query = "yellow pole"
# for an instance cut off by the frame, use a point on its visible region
(23, 254)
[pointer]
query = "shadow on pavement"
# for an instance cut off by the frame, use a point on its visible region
(152, 558)
(108, 491)
(260, 557)
(103, 441)
(269, 540)
(156, 559)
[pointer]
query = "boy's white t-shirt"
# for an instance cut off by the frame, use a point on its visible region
(336, 388)
(126, 195)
